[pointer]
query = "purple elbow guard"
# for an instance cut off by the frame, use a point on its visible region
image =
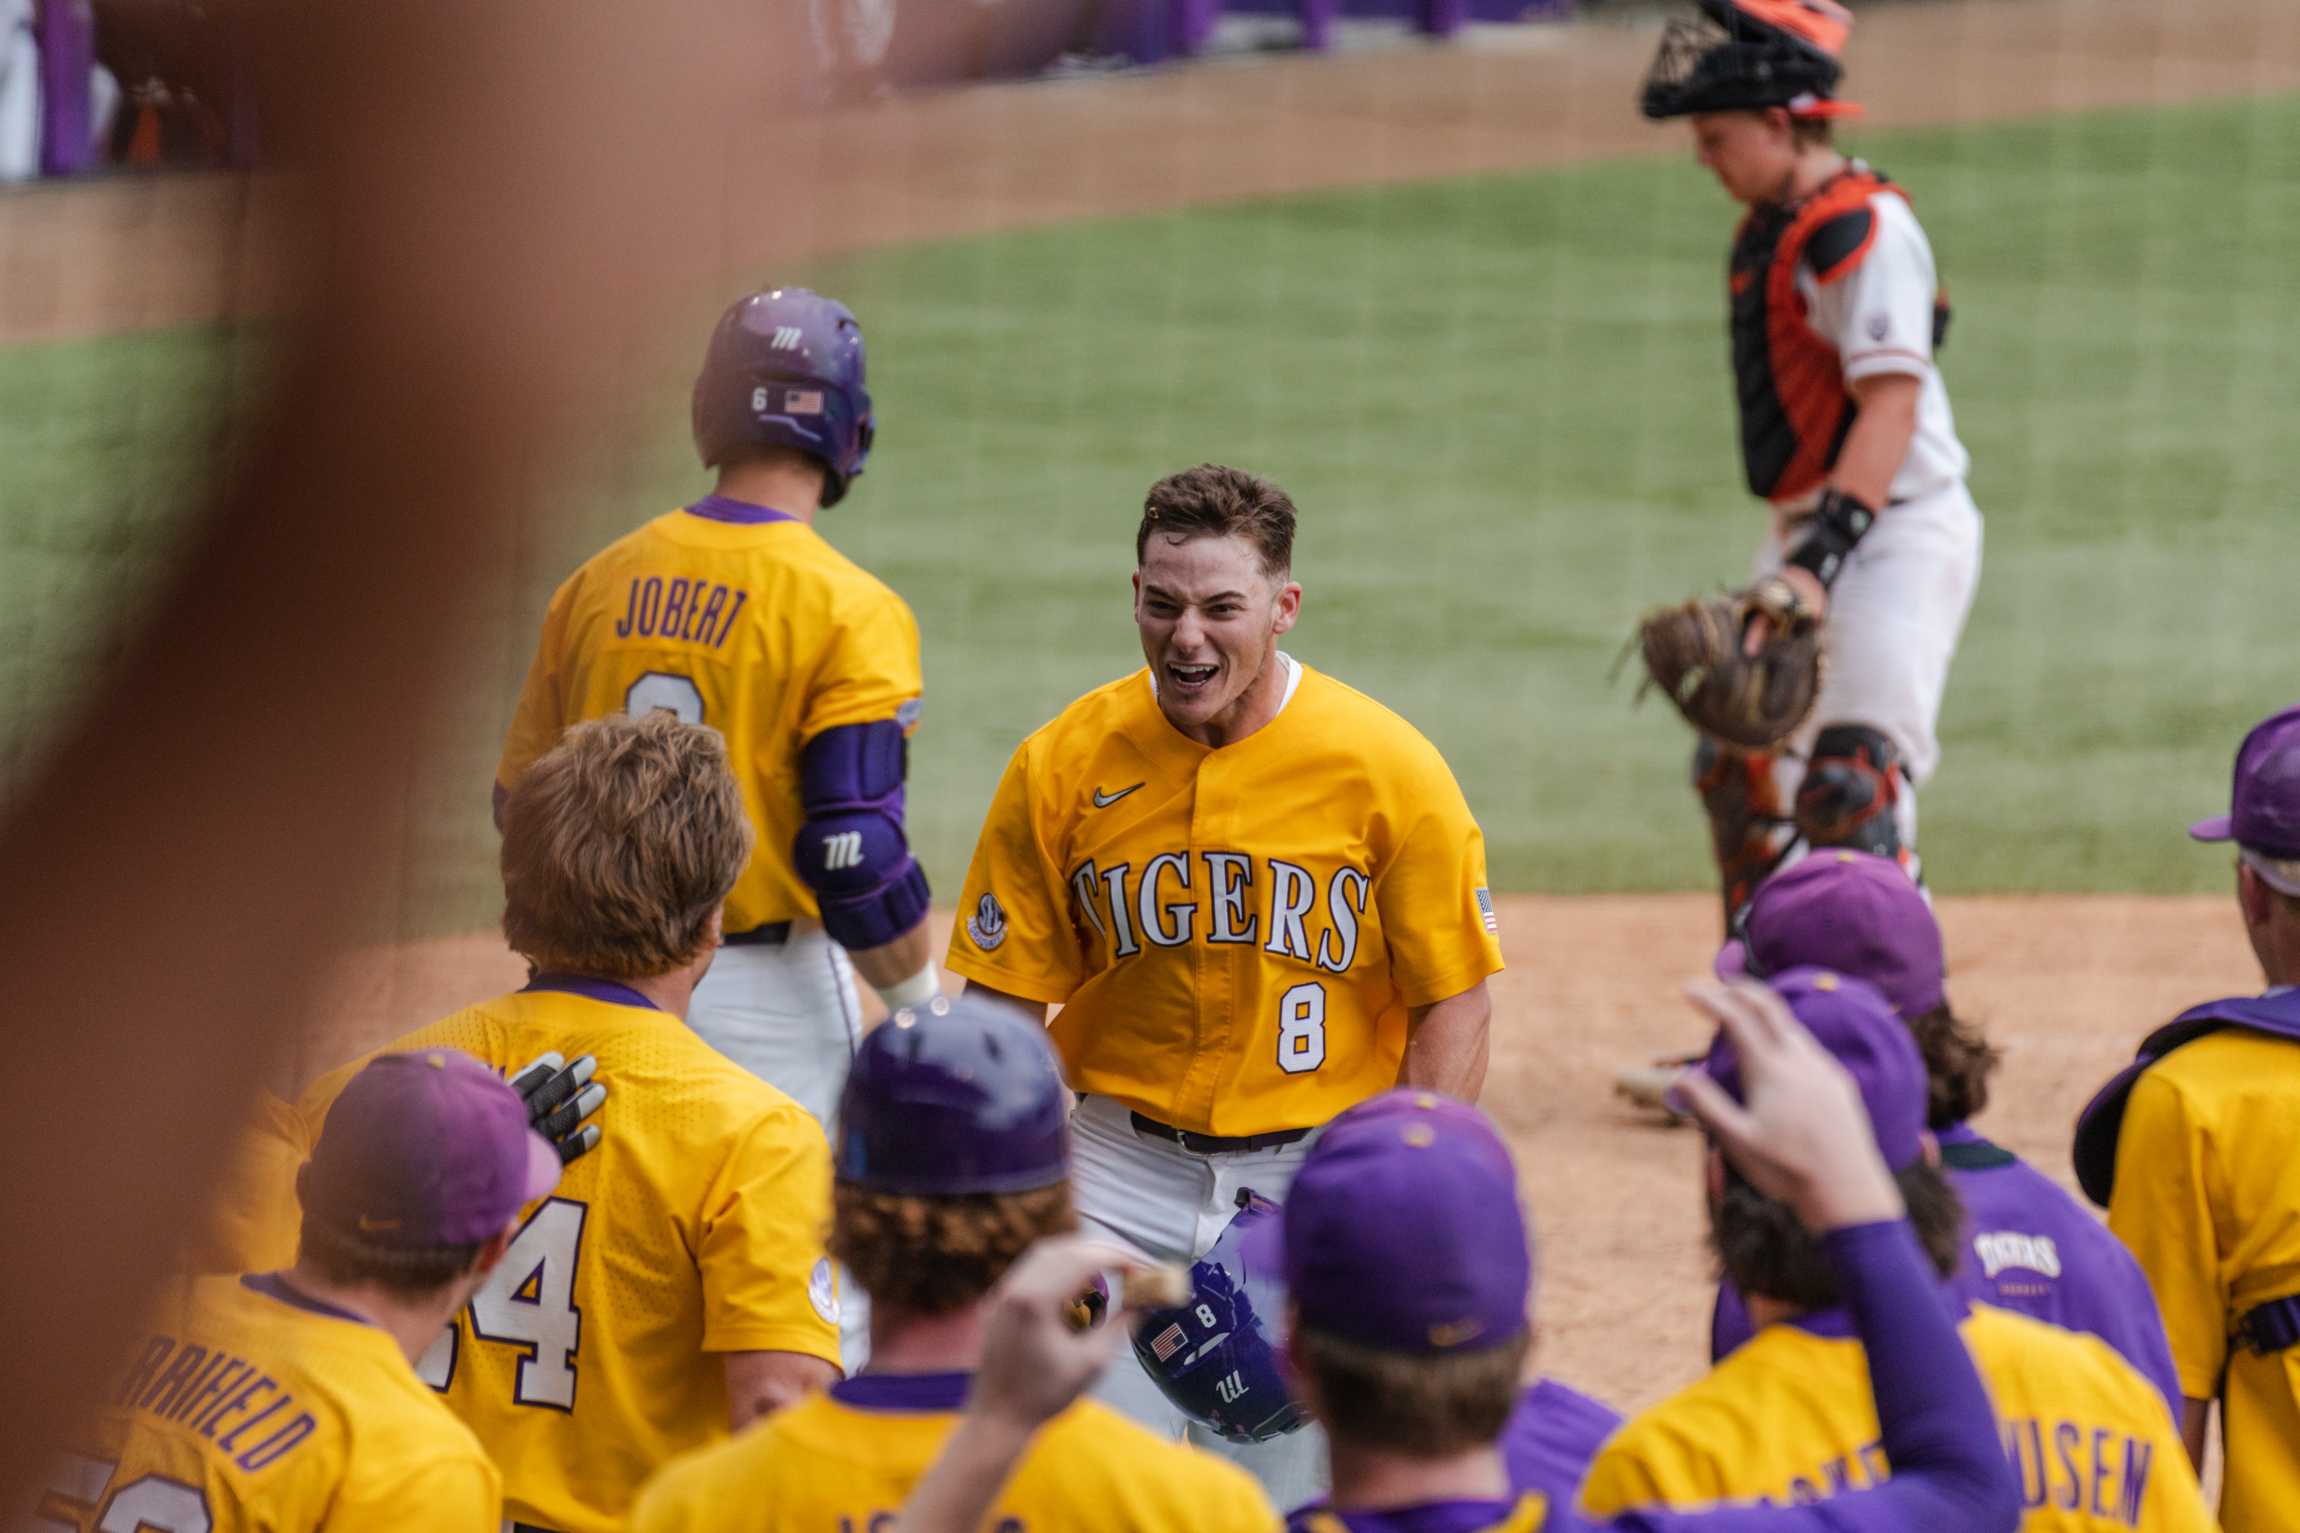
(851, 851)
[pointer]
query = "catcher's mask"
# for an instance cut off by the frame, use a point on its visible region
(1746, 55)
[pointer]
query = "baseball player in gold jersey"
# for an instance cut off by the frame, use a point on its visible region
(676, 1284)
(284, 1402)
(2195, 1148)
(1789, 1417)
(1257, 895)
(953, 1155)
(735, 613)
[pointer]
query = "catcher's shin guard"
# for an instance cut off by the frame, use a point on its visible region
(1746, 823)
(1853, 785)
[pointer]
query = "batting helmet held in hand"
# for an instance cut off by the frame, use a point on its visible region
(785, 369)
(1215, 1356)
(959, 1096)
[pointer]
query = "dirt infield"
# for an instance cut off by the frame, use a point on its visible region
(2066, 983)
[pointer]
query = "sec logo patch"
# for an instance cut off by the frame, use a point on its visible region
(823, 1291)
(987, 926)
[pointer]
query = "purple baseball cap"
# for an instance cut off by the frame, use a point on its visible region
(1403, 1231)
(1852, 1020)
(426, 1149)
(1852, 912)
(2263, 816)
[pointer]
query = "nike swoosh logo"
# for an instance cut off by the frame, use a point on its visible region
(369, 1226)
(1104, 800)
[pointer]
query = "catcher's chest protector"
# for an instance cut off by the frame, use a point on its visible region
(1795, 412)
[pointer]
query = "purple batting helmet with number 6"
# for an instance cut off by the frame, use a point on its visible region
(1215, 1355)
(785, 369)
(960, 1096)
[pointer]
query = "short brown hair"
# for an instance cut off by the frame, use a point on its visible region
(1959, 1059)
(934, 1255)
(1213, 501)
(1764, 1250)
(413, 1272)
(1407, 1403)
(619, 844)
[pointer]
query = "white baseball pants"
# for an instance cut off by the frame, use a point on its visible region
(1895, 615)
(792, 1017)
(1169, 1204)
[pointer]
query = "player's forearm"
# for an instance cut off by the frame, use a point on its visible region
(889, 964)
(1880, 438)
(1938, 1429)
(762, 1383)
(1447, 1044)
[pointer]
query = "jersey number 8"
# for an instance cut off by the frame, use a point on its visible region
(527, 1302)
(1302, 1028)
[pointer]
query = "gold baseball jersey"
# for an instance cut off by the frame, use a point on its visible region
(1789, 1419)
(1235, 934)
(845, 1461)
(758, 628)
(695, 1228)
(248, 1405)
(2207, 1195)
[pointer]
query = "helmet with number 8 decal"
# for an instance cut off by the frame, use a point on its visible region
(785, 369)
(1216, 1355)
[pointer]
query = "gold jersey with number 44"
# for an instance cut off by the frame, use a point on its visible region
(1235, 934)
(695, 1228)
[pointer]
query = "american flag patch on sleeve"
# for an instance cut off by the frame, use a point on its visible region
(1167, 1342)
(1485, 910)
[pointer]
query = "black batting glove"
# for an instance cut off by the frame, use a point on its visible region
(559, 1097)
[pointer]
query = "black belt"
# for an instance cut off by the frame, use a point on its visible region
(2271, 1327)
(1217, 1144)
(769, 934)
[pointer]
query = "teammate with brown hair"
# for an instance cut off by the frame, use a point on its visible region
(675, 1286)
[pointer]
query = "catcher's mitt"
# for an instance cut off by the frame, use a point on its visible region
(1753, 702)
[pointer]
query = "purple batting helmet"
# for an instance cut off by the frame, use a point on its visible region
(960, 1096)
(785, 369)
(1215, 1355)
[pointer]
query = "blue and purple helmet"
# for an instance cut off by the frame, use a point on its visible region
(960, 1096)
(785, 369)
(1216, 1354)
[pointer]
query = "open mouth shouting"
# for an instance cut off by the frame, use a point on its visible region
(1191, 680)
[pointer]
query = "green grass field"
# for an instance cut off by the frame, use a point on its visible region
(1502, 405)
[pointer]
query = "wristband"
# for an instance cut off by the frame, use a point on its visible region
(913, 992)
(1837, 523)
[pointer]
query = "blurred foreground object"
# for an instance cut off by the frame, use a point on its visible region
(217, 809)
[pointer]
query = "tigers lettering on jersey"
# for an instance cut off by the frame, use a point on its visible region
(1178, 896)
(678, 609)
(1788, 1420)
